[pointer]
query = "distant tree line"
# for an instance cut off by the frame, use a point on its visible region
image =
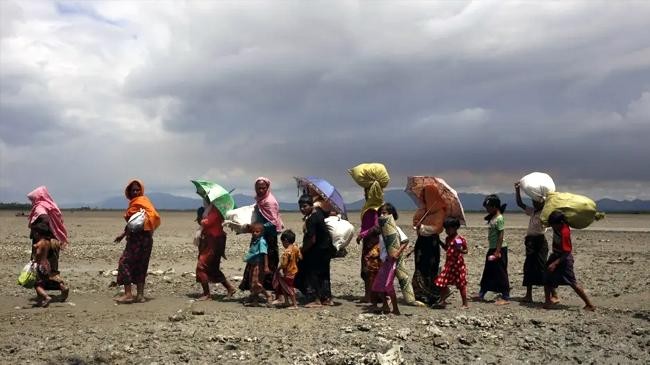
(15, 206)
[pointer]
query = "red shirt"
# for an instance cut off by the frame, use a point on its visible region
(562, 240)
(212, 223)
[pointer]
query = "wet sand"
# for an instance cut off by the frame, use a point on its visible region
(612, 259)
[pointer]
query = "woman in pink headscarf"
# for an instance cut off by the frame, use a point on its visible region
(45, 213)
(267, 211)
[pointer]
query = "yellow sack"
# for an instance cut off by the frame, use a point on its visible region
(579, 210)
(367, 173)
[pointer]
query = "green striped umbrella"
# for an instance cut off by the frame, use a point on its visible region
(216, 194)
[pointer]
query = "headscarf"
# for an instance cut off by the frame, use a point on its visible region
(142, 202)
(42, 203)
(268, 206)
(374, 198)
(434, 209)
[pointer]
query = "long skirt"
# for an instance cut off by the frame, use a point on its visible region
(427, 264)
(273, 258)
(208, 266)
(384, 280)
(563, 273)
(495, 274)
(313, 277)
(535, 264)
(134, 262)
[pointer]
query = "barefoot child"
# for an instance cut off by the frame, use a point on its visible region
(257, 257)
(401, 273)
(560, 263)
(383, 283)
(284, 280)
(454, 271)
(495, 272)
(45, 243)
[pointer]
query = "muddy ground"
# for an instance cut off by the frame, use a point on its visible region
(612, 259)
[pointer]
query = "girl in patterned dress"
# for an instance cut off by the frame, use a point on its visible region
(454, 271)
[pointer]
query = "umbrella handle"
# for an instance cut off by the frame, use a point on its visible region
(424, 216)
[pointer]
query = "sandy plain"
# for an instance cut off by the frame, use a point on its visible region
(612, 259)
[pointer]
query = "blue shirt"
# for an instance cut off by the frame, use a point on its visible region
(257, 250)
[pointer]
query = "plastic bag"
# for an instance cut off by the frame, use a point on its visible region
(236, 219)
(537, 185)
(27, 277)
(340, 230)
(579, 210)
(136, 221)
(367, 173)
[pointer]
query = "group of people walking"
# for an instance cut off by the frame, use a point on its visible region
(276, 277)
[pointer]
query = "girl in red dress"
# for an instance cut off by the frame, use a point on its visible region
(455, 271)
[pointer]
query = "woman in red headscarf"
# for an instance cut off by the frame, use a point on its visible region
(134, 261)
(267, 212)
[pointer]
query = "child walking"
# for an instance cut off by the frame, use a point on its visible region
(495, 271)
(284, 276)
(454, 271)
(45, 280)
(401, 273)
(257, 257)
(560, 264)
(383, 283)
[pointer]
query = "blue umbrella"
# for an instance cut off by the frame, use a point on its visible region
(325, 190)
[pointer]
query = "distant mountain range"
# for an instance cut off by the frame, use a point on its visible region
(471, 202)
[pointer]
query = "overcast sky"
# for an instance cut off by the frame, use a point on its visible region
(477, 92)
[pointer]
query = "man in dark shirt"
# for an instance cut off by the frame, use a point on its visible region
(317, 251)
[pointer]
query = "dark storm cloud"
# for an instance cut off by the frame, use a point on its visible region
(479, 92)
(303, 98)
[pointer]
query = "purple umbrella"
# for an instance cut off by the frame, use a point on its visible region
(315, 185)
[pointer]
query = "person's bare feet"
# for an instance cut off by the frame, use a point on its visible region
(501, 301)
(231, 292)
(124, 299)
(315, 304)
(328, 302)
(277, 302)
(555, 300)
(46, 301)
(465, 306)
(203, 297)
(64, 294)
(396, 312)
(589, 307)
(548, 305)
(293, 307)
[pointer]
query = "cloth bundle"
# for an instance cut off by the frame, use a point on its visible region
(340, 230)
(236, 219)
(537, 185)
(366, 174)
(579, 210)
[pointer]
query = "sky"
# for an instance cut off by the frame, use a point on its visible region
(479, 93)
